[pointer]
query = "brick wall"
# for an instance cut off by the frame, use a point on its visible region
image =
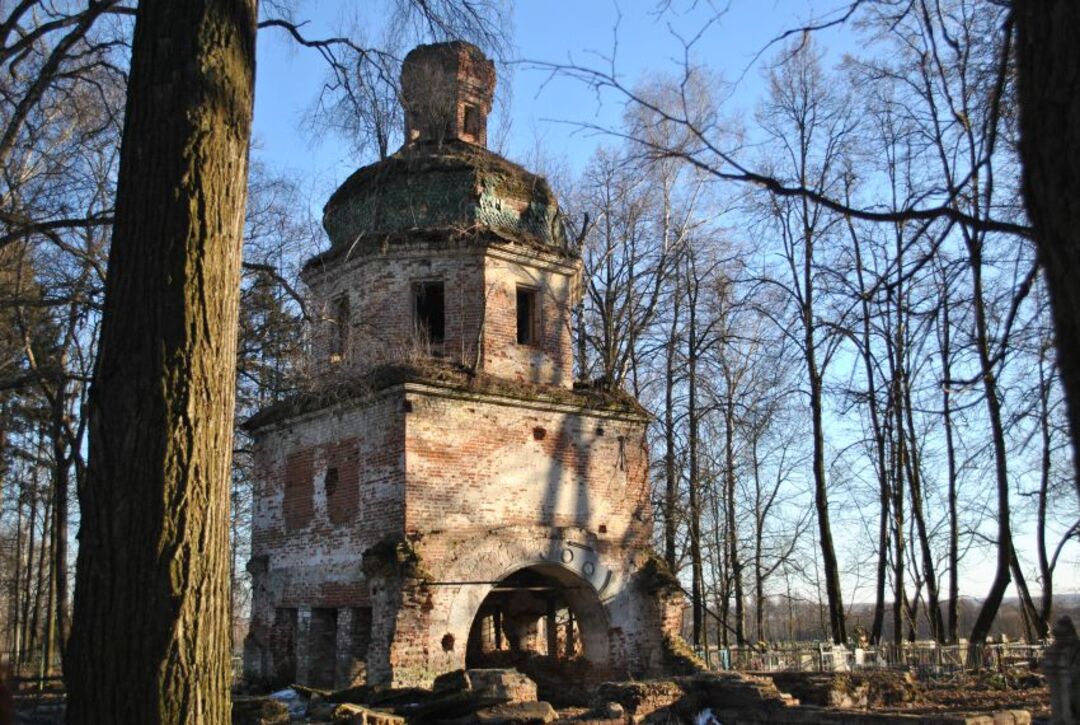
(381, 325)
(481, 485)
(474, 462)
(480, 305)
(299, 493)
(550, 360)
(342, 480)
(308, 541)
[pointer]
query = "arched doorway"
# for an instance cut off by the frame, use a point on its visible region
(542, 614)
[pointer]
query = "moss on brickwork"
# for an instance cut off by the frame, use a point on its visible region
(356, 389)
(393, 558)
(679, 658)
(451, 187)
(656, 578)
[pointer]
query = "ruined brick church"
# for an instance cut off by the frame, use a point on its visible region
(445, 496)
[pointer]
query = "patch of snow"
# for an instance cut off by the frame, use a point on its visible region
(293, 701)
(706, 717)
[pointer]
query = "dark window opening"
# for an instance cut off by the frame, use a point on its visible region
(356, 644)
(361, 631)
(283, 646)
(339, 335)
(331, 482)
(430, 311)
(322, 646)
(526, 316)
(472, 121)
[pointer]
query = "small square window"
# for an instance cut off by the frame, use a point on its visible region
(430, 311)
(527, 316)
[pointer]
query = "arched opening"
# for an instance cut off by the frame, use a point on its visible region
(547, 622)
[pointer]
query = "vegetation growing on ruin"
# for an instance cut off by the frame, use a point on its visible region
(452, 185)
(394, 557)
(351, 391)
(656, 577)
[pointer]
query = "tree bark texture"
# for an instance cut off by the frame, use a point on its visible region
(1049, 92)
(150, 633)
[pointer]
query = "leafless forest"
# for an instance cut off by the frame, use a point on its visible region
(832, 306)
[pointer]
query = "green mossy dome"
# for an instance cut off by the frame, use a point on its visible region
(453, 188)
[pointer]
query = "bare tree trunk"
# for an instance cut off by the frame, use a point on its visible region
(721, 571)
(149, 639)
(937, 627)
(62, 456)
(1036, 627)
(671, 474)
(697, 588)
(16, 590)
(43, 567)
(582, 341)
(48, 646)
(790, 611)
(732, 533)
(837, 624)
(912, 607)
(992, 602)
(899, 595)
(879, 447)
(1046, 572)
(27, 631)
(759, 543)
(950, 452)
(896, 349)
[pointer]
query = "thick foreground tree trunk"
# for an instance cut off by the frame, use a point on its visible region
(150, 634)
(1049, 89)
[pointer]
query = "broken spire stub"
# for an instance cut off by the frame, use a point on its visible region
(446, 91)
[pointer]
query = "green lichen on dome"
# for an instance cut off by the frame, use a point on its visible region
(454, 185)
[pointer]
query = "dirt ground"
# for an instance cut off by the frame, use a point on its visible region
(889, 692)
(980, 692)
(903, 692)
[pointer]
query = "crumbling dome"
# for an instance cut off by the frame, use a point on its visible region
(453, 188)
(444, 178)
